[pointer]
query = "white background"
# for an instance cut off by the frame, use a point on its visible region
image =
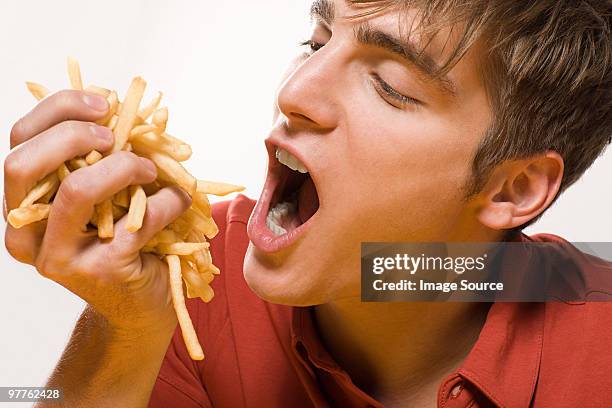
(218, 63)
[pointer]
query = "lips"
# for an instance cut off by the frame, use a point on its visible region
(288, 204)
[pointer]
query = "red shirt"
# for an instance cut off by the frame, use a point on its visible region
(260, 354)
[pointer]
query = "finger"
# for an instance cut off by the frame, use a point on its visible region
(61, 106)
(81, 190)
(163, 207)
(43, 154)
(23, 243)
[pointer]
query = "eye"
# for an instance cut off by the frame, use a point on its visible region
(312, 45)
(391, 96)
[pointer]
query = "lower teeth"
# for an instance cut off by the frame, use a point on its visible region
(278, 213)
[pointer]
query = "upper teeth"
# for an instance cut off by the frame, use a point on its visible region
(290, 160)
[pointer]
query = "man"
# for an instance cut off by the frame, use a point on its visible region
(448, 121)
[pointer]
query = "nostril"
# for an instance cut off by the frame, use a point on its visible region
(297, 121)
(302, 117)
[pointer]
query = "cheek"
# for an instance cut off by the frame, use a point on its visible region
(404, 186)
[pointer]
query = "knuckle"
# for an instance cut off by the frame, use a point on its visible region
(73, 132)
(129, 162)
(153, 213)
(66, 99)
(71, 189)
(15, 247)
(13, 167)
(46, 265)
(127, 157)
(18, 132)
(106, 169)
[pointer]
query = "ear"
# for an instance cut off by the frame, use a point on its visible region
(519, 190)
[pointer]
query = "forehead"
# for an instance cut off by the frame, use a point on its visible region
(433, 33)
(438, 37)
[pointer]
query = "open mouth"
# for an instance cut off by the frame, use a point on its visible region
(295, 199)
(289, 202)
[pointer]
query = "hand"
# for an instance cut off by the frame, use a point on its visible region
(126, 287)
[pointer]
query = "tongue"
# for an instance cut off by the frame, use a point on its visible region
(308, 200)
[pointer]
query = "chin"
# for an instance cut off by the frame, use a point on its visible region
(280, 283)
(297, 279)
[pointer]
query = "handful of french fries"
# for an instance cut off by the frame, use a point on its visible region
(183, 243)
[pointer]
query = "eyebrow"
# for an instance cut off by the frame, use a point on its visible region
(323, 10)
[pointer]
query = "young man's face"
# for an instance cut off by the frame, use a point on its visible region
(388, 151)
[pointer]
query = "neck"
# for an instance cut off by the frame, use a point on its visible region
(399, 351)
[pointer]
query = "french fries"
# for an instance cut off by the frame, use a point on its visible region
(138, 205)
(160, 118)
(218, 189)
(171, 170)
(77, 163)
(45, 185)
(148, 110)
(178, 300)
(22, 216)
(63, 172)
(110, 120)
(181, 248)
(93, 157)
(128, 112)
(122, 198)
(182, 244)
(37, 90)
(103, 92)
(104, 210)
(74, 74)
(142, 138)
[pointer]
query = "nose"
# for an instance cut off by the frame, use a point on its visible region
(308, 95)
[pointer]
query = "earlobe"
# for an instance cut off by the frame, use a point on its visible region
(520, 190)
(497, 215)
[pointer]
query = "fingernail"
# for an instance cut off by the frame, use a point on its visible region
(149, 165)
(95, 102)
(102, 132)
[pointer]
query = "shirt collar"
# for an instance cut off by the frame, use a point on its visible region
(304, 331)
(505, 361)
(313, 355)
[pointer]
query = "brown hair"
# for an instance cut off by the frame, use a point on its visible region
(549, 75)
